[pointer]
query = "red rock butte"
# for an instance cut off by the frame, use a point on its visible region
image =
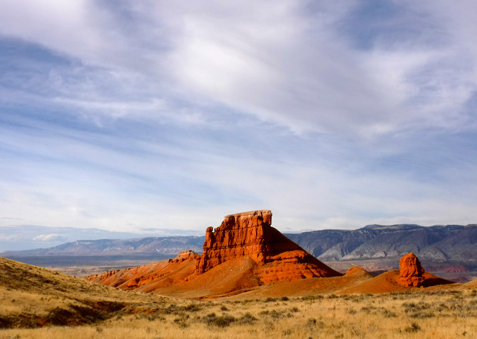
(241, 234)
(250, 234)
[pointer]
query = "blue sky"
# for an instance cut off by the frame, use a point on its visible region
(136, 115)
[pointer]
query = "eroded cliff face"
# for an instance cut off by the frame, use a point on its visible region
(410, 271)
(242, 234)
(250, 234)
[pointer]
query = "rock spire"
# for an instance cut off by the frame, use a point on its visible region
(410, 271)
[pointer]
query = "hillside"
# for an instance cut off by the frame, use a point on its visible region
(35, 297)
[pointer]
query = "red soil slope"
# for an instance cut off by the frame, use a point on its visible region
(153, 275)
(390, 282)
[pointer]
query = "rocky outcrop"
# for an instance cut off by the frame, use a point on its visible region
(250, 234)
(410, 271)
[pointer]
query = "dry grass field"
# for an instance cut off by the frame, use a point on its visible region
(38, 303)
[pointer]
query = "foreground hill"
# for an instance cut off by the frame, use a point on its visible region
(34, 297)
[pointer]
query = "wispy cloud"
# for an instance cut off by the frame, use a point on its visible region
(154, 114)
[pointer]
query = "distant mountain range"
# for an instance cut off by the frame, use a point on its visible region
(434, 244)
(450, 243)
(165, 246)
(26, 237)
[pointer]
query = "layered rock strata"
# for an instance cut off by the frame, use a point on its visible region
(410, 271)
(250, 234)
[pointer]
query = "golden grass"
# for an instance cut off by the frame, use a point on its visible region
(35, 301)
(31, 296)
(445, 314)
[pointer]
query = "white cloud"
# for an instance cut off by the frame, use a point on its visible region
(293, 68)
(52, 23)
(281, 66)
(49, 237)
(283, 62)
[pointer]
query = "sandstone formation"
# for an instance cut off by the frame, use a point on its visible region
(410, 271)
(250, 234)
(239, 235)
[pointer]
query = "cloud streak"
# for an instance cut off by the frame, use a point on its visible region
(160, 115)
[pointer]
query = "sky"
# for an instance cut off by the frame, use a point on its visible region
(165, 116)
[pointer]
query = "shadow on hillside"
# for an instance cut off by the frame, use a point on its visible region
(74, 315)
